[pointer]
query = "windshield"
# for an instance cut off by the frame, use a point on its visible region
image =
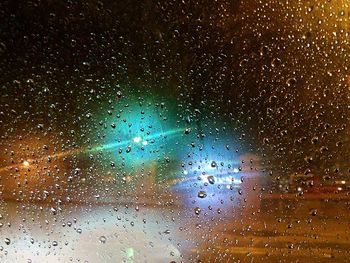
(174, 131)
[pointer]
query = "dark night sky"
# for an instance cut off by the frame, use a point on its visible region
(282, 92)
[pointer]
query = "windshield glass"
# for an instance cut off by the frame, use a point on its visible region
(174, 131)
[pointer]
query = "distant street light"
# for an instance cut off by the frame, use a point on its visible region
(137, 139)
(26, 163)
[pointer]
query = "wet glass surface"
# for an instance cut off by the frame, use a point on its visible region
(174, 131)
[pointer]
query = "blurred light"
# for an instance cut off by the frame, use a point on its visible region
(342, 182)
(185, 172)
(339, 188)
(144, 142)
(235, 170)
(26, 163)
(236, 181)
(227, 180)
(137, 139)
(130, 253)
(203, 177)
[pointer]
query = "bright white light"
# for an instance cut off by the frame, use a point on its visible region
(236, 181)
(204, 177)
(185, 172)
(26, 163)
(235, 170)
(226, 180)
(137, 139)
(144, 142)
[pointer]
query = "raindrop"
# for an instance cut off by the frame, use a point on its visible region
(202, 194)
(313, 212)
(291, 82)
(102, 239)
(276, 62)
(197, 210)
(211, 179)
(53, 210)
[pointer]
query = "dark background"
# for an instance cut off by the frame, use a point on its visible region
(282, 86)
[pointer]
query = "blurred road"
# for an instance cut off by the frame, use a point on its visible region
(243, 230)
(288, 230)
(42, 233)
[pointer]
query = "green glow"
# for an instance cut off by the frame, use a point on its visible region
(130, 254)
(139, 129)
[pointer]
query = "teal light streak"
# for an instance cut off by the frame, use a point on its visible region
(128, 142)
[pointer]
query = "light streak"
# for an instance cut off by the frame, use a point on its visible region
(93, 149)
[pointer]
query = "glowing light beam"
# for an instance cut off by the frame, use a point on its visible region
(95, 149)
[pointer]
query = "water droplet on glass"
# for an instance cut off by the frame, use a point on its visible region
(202, 194)
(211, 179)
(314, 212)
(276, 62)
(53, 210)
(197, 210)
(102, 239)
